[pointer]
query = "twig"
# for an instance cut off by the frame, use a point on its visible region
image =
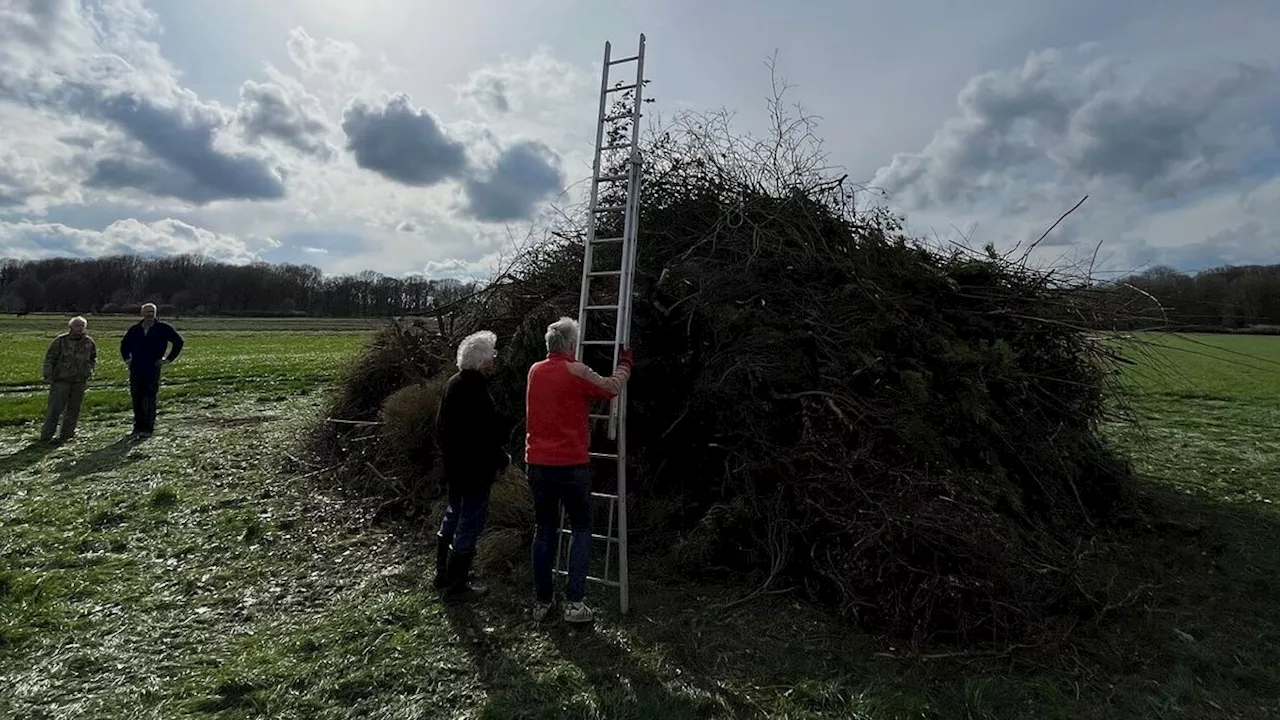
(1054, 225)
(321, 471)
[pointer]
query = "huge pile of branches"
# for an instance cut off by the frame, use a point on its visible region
(907, 434)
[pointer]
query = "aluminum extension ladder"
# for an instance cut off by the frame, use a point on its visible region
(615, 537)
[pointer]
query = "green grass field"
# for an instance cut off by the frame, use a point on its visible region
(270, 356)
(206, 573)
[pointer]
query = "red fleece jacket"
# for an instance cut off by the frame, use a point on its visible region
(557, 402)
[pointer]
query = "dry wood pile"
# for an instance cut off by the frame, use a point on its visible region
(905, 434)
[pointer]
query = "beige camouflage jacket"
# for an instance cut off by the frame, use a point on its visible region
(70, 359)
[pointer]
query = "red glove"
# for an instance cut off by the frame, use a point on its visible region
(625, 358)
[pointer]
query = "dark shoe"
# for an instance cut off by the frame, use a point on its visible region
(459, 588)
(442, 564)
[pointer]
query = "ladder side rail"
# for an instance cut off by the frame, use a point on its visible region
(637, 176)
(629, 236)
(623, 582)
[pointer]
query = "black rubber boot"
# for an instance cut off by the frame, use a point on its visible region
(459, 589)
(442, 564)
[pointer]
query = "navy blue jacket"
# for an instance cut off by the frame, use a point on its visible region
(142, 350)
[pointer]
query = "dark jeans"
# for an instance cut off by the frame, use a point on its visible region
(143, 388)
(464, 520)
(553, 486)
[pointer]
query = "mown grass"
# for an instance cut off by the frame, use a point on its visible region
(268, 356)
(206, 573)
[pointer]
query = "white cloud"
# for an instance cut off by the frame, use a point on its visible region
(1027, 143)
(27, 240)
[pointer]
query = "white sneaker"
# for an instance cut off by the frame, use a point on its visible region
(541, 611)
(578, 612)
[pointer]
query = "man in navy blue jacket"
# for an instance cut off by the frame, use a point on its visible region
(143, 349)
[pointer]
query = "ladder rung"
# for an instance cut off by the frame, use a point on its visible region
(601, 307)
(610, 208)
(621, 88)
(624, 60)
(598, 416)
(612, 178)
(599, 342)
(594, 536)
(597, 241)
(618, 116)
(604, 273)
(604, 496)
(592, 578)
(616, 146)
(603, 456)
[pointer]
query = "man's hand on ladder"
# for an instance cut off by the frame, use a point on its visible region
(626, 357)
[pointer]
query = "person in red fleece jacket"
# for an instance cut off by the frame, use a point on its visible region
(557, 402)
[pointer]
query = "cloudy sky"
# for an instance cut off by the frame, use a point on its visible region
(423, 136)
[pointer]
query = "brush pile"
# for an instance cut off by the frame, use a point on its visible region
(907, 435)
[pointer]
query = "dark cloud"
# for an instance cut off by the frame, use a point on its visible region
(525, 174)
(14, 190)
(1058, 119)
(32, 22)
(402, 143)
(1163, 142)
(268, 110)
(182, 162)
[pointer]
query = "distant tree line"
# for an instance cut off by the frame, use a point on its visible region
(194, 285)
(1228, 298)
(1231, 298)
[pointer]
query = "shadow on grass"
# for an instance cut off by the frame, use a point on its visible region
(600, 679)
(1199, 632)
(34, 452)
(625, 687)
(110, 457)
(1190, 627)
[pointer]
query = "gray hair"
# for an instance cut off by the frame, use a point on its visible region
(78, 320)
(476, 349)
(149, 305)
(562, 335)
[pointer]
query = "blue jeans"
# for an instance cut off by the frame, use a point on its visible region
(553, 486)
(464, 521)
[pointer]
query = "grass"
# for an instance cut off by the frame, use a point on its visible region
(271, 357)
(206, 573)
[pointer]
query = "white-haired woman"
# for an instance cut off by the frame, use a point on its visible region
(557, 404)
(68, 364)
(470, 434)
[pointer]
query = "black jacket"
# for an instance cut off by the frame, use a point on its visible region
(142, 350)
(470, 434)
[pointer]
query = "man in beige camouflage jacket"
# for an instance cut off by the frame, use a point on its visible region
(68, 365)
